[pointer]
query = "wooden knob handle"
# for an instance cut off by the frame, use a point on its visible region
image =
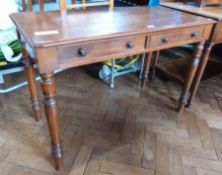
(165, 40)
(82, 52)
(130, 45)
(193, 35)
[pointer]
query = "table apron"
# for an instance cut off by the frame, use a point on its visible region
(73, 55)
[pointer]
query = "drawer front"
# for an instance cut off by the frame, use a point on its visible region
(175, 38)
(92, 51)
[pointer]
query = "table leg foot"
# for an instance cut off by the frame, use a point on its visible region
(52, 114)
(188, 105)
(182, 102)
(57, 153)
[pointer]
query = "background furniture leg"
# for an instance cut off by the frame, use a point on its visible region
(142, 66)
(200, 71)
(190, 76)
(112, 80)
(51, 111)
(155, 61)
(146, 68)
(30, 76)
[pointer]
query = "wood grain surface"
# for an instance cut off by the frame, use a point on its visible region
(77, 26)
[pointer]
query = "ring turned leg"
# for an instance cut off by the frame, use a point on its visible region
(190, 76)
(146, 68)
(51, 110)
(202, 66)
(155, 60)
(30, 76)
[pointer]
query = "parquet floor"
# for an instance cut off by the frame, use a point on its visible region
(125, 131)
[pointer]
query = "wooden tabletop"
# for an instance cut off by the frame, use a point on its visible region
(214, 12)
(46, 29)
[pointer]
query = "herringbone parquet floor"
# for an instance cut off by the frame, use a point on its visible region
(125, 131)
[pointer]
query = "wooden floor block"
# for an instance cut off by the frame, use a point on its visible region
(113, 168)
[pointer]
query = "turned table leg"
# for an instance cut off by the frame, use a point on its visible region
(30, 76)
(155, 60)
(146, 68)
(190, 76)
(51, 111)
(200, 71)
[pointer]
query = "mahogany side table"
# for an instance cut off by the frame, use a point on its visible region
(66, 39)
